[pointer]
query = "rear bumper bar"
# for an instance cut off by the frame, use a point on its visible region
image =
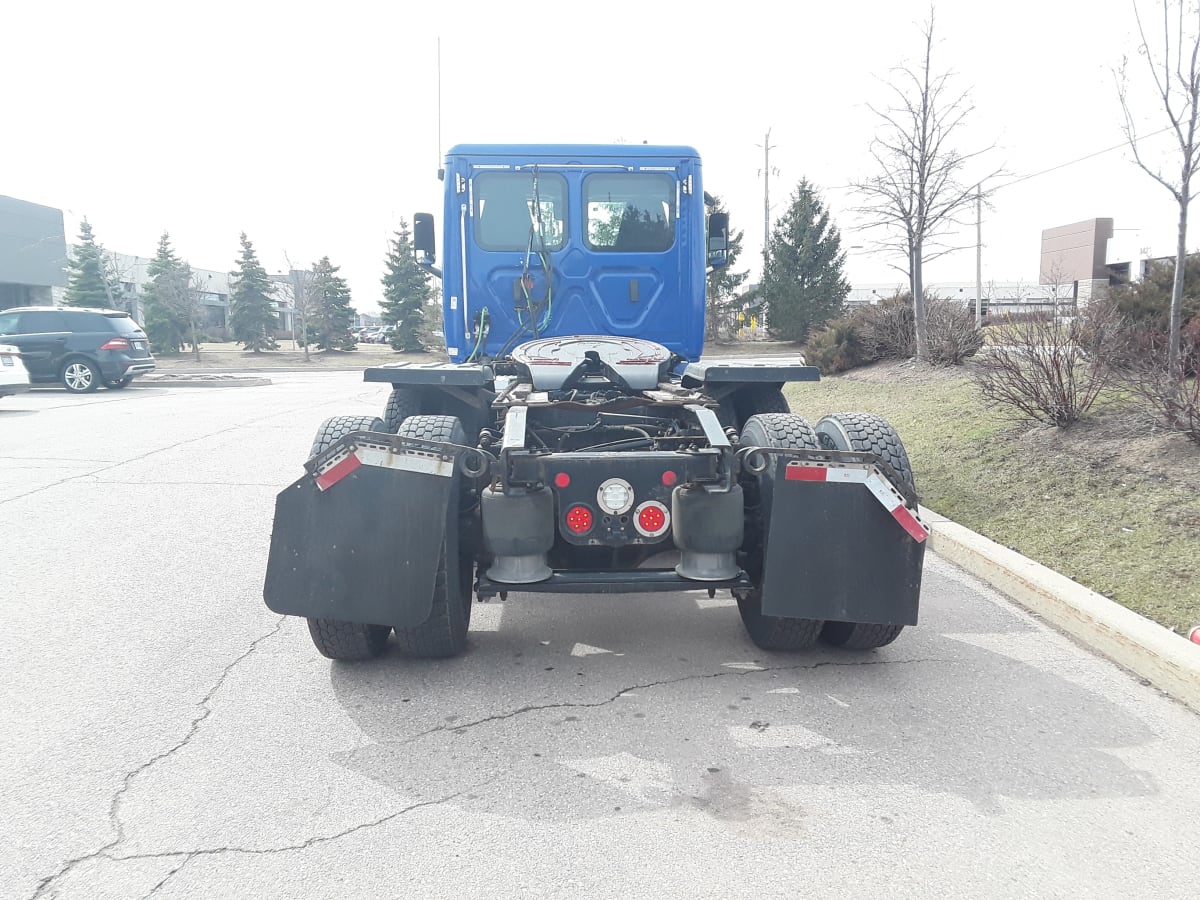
(636, 581)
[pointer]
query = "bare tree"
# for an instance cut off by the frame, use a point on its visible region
(1055, 280)
(919, 194)
(1175, 70)
(303, 302)
(193, 310)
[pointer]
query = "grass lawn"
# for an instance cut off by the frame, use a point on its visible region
(1115, 507)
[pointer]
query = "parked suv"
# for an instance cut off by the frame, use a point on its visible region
(81, 348)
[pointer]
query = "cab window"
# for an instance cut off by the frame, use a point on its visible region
(630, 212)
(41, 323)
(84, 322)
(520, 211)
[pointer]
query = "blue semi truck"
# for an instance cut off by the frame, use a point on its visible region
(575, 441)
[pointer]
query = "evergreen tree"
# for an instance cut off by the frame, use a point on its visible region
(721, 307)
(91, 280)
(167, 299)
(252, 317)
(330, 312)
(406, 290)
(803, 286)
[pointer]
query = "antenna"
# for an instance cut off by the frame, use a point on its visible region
(439, 101)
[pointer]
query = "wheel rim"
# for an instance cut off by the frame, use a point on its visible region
(78, 376)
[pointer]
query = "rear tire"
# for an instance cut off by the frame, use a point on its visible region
(444, 633)
(859, 635)
(779, 633)
(335, 428)
(402, 403)
(349, 641)
(334, 638)
(80, 376)
(865, 433)
(755, 400)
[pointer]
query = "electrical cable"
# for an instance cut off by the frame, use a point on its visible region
(481, 333)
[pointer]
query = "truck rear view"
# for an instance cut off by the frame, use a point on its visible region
(576, 442)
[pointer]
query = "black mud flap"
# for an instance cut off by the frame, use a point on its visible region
(841, 546)
(358, 538)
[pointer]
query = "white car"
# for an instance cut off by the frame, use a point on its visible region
(14, 378)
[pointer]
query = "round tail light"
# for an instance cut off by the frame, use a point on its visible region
(652, 519)
(579, 519)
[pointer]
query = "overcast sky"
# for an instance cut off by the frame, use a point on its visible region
(314, 126)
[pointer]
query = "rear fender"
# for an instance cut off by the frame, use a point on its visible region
(843, 540)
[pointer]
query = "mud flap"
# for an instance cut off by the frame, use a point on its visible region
(358, 538)
(841, 546)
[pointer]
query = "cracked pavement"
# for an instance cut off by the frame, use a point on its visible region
(166, 735)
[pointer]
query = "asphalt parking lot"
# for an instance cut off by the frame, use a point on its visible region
(164, 734)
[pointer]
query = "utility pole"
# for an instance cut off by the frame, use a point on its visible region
(979, 255)
(766, 172)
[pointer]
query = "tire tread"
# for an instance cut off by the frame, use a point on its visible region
(350, 641)
(859, 635)
(335, 428)
(401, 403)
(868, 433)
(444, 633)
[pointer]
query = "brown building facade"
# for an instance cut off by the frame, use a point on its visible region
(1074, 258)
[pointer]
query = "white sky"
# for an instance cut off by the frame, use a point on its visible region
(313, 126)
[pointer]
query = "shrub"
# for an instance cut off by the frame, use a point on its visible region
(838, 346)
(888, 331)
(1046, 371)
(1172, 400)
(950, 332)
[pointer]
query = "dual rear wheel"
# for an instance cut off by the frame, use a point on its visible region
(839, 431)
(444, 632)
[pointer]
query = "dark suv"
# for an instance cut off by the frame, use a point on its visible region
(81, 348)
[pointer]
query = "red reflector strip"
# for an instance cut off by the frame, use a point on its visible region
(332, 476)
(805, 473)
(894, 503)
(909, 523)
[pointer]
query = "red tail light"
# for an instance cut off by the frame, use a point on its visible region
(579, 519)
(652, 519)
(115, 344)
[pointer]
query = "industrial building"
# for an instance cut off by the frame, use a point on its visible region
(33, 253)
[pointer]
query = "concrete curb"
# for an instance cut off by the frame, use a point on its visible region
(1165, 659)
(212, 380)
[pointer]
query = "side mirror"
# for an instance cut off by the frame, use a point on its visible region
(718, 239)
(424, 237)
